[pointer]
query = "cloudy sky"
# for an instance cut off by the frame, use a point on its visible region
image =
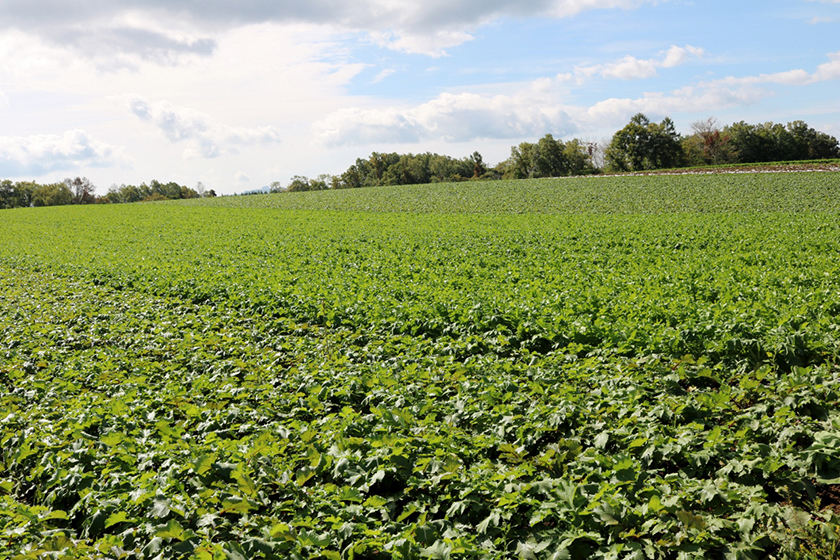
(238, 94)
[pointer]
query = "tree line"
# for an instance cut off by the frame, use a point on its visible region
(641, 145)
(548, 157)
(80, 190)
(644, 145)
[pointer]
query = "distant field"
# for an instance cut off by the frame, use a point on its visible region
(629, 367)
(649, 194)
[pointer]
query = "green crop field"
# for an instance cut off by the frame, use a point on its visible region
(624, 367)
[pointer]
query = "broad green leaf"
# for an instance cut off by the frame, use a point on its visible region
(172, 530)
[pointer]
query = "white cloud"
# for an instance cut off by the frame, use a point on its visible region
(678, 55)
(95, 27)
(689, 99)
(532, 112)
(207, 138)
(632, 68)
(824, 72)
(450, 118)
(39, 154)
(4, 101)
(383, 75)
(431, 44)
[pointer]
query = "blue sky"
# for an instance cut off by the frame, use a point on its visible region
(239, 94)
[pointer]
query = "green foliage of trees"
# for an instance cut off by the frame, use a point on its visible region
(642, 145)
(410, 169)
(23, 194)
(757, 143)
(55, 194)
(151, 192)
(775, 142)
(549, 158)
(16, 195)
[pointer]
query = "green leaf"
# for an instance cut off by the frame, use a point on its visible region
(172, 530)
(204, 463)
(245, 483)
(160, 507)
(529, 550)
(492, 519)
(440, 550)
(607, 514)
(115, 518)
(691, 521)
(304, 474)
(376, 501)
(350, 494)
(601, 440)
(55, 514)
(235, 504)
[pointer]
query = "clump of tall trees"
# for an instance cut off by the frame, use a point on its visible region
(394, 169)
(29, 193)
(644, 145)
(549, 158)
(546, 158)
(155, 190)
(80, 190)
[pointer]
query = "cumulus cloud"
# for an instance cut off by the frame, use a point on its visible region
(824, 72)
(533, 112)
(632, 68)
(449, 117)
(39, 154)
(121, 46)
(418, 27)
(707, 97)
(206, 138)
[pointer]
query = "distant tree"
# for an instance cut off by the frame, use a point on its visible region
(708, 144)
(755, 143)
(800, 141)
(642, 145)
(16, 195)
(199, 189)
(54, 194)
(8, 196)
(479, 169)
(320, 183)
(299, 183)
(187, 192)
(355, 176)
(521, 163)
(580, 157)
(549, 158)
(83, 190)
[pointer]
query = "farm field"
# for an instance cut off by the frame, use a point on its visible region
(621, 367)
